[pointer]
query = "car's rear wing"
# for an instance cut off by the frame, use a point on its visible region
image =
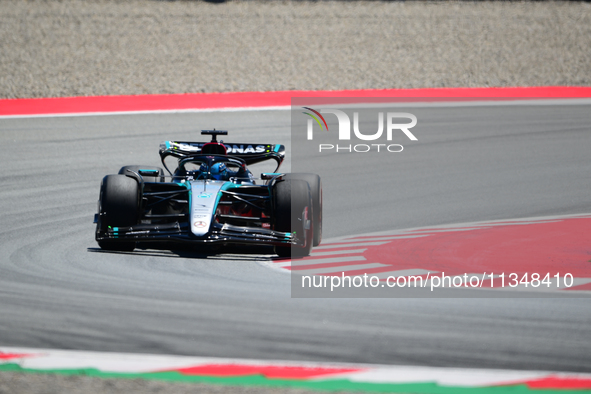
(250, 153)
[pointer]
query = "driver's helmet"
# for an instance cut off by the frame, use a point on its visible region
(218, 171)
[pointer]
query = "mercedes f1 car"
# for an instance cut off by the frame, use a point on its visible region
(211, 197)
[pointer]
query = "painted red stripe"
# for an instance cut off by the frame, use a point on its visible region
(269, 371)
(93, 104)
(562, 246)
(559, 383)
(10, 356)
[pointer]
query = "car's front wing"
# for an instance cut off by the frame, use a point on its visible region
(181, 232)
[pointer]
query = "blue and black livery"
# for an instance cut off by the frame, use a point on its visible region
(143, 207)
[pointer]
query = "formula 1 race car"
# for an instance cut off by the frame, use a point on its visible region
(211, 198)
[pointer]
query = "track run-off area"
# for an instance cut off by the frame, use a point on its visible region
(536, 254)
(490, 187)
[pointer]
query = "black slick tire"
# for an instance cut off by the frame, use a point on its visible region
(292, 202)
(316, 191)
(119, 207)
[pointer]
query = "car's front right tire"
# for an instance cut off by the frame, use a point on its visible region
(118, 207)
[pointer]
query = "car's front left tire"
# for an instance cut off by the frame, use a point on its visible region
(316, 191)
(292, 213)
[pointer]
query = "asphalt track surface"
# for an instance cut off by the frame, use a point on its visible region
(58, 290)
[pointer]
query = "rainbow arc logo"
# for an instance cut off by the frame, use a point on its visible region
(316, 117)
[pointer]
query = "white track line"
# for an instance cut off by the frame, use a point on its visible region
(349, 251)
(328, 260)
(337, 271)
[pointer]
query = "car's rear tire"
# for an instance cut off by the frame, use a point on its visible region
(292, 207)
(118, 207)
(316, 192)
(147, 178)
